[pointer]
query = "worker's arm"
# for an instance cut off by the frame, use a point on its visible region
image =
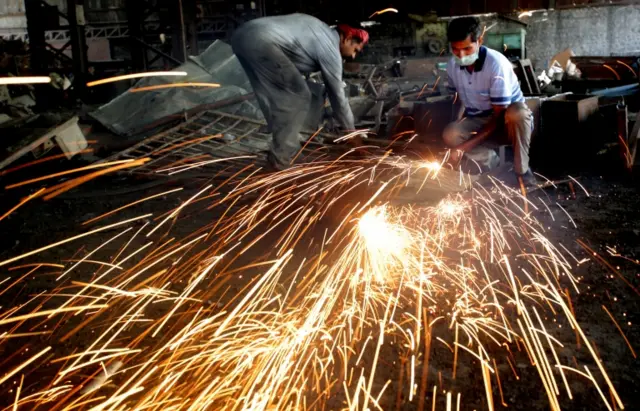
(496, 116)
(451, 87)
(331, 68)
(500, 97)
(460, 112)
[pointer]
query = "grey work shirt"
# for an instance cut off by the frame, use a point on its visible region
(312, 46)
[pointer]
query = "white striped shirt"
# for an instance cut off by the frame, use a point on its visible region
(492, 83)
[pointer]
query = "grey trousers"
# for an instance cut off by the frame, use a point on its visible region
(281, 91)
(515, 130)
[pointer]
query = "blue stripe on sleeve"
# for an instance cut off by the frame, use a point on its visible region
(498, 100)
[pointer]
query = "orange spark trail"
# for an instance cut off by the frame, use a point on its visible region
(24, 80)
(67, 172)
(136, 76)
(387, 10)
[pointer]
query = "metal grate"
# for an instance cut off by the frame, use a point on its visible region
(203, 139)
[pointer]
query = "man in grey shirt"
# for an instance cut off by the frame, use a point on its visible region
(275, 52)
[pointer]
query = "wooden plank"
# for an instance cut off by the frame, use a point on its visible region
(37, 142)
(531, 75)
(524, 79)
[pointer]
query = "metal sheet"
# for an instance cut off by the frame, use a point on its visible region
(129, 112)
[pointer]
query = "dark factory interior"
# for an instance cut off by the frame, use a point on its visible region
(319, 205)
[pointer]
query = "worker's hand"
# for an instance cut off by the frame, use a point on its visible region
(357, 140)
(455, 156)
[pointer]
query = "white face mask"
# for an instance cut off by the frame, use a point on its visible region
(466, 60)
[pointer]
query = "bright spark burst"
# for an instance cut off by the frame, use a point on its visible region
(379, 234)
(177, 322)
(451, 208)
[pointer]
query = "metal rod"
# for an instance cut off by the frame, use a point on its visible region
(183, 32)
(58, 53)
(78, 43)
(155, 50)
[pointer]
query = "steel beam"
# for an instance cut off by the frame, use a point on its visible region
(219, 27)
(59, 53)
(75, 16)
(35, 29)
(184, 34)
(135, 12)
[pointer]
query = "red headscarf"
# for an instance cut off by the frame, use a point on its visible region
(349, 31)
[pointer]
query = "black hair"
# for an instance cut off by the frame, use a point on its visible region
(463, 27)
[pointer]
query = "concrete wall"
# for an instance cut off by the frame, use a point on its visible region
(592, 31)
(12, 14)
(103, 11)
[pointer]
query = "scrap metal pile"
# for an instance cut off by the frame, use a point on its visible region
(223, 120)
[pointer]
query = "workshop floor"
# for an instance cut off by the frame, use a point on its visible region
(607, 218)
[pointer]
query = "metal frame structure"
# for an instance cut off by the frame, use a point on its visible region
(137, 13)
(50, 39)
(142, 25)
(184, 30)
(212, 26)
(77, 41)
(41, 50)
(118, 31)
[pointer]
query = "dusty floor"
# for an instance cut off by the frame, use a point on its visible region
(608, 217)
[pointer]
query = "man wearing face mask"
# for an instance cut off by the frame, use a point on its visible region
(276, 52)
(493, 104)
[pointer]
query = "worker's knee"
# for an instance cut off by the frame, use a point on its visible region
(305, 95)
(516, 113)
(452, 135)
